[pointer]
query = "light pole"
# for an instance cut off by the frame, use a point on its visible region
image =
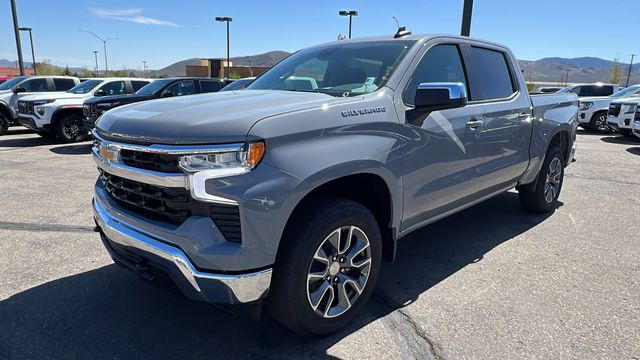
(350, 14)
(629, 73)
(227, 20)
(17, 33)
(33, 54)
(466, 17)
(566, 78)
(95, 54)
(104, 44)
(144, 68)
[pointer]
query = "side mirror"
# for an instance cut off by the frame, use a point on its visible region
(100, 93)
(440, 96)
(19, 89)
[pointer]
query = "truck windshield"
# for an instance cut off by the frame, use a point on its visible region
(343, 69)
(153, 87)
(627, 92)
(84, 87)
(9, 84)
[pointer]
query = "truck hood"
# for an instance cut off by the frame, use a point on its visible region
(126, 99)
(597, 98)
(54, 95)
(220, 117)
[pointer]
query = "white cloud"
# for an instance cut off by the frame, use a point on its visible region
(131, 15)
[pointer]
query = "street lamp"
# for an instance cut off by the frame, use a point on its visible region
(227, 20)
(566, 78)
(466, 17)
(350, 14)
(104, 44)
(95, 54)
(17, 33)
(33, 54)
(629, 73)
(144, 68)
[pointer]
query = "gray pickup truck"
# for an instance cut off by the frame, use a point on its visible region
(295, 189)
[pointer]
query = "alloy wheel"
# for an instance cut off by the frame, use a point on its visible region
(339, 271)
(552, 181)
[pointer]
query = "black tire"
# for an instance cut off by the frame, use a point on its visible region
(598, 123)
(4, 124)
(626, 132)
(46, 134)
(289, 297)
(535, 196)
(70, 128)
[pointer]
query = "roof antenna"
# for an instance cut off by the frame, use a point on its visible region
(402, 31)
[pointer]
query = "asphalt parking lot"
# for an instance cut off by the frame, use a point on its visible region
(492, 282)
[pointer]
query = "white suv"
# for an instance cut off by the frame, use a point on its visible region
(60, 114)
(595, 89)
(622, 114)
(593, 110)
(635, 124)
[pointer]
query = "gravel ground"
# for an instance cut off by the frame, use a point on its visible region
(492, 282)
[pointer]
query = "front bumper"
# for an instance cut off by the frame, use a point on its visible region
(28, 122)
(623, 121)
(137, 250)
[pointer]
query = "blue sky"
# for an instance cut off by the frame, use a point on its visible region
(162, 32)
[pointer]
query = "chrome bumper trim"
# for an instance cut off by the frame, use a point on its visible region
(242, 288)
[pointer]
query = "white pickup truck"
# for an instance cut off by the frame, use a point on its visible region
(60, 114)
(593, 110)
(622, 114)
(14, 89)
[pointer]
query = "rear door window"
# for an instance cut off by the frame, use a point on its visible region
(595, 90)
(491, 73)
(137, 84)
(62, 84)
(210, 86)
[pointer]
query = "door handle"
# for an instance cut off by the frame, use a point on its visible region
(524, 115)
(474, 124)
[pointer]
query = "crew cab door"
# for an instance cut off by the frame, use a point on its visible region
(439, 165)
(501, 144)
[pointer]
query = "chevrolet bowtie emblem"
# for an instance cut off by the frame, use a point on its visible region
(108, 155)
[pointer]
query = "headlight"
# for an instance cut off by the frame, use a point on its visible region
(228, 163)
(39, 110)
(585, 105)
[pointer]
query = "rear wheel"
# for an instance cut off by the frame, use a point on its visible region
(70, 128)
(541, 195)
(598, 122)
(4, 124)
(327, 267)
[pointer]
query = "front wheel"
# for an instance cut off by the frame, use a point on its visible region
(541, 195)
(327, 267)
(70, 128)
(598, 123)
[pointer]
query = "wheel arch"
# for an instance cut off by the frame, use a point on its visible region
(370, 189)
(63, 111)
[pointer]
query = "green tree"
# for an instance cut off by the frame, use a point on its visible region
(66, 70)
(235, 75)
(47, 69)
(616, 72)
(531, 86)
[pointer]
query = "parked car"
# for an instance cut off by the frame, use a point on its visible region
(621, 115)
(21, 86)
(635, 125)
(60, 114)
(593, 110)
(297, 187)
(162, 88)
(548, 89)
(238, 84)
(597, 89)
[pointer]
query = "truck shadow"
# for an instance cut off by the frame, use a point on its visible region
(34, 140)
(621, 140)
(109, 313)
(75, 149)
(634, 150)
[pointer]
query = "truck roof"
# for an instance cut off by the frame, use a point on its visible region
(416, 37)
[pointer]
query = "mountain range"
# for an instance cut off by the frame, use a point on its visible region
(546, 70)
